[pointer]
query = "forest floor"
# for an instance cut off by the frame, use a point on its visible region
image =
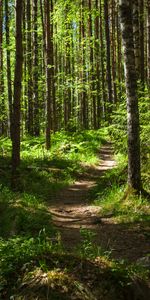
(94, 251)
(72, 210)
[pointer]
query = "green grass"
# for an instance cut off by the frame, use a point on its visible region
(110, 196)
(29, 242)
(23, 214)
(42, 174)
(68, 154)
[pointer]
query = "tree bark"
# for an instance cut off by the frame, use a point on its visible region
(113, 38)
(9, 80)
(97, 59)
(136, 36)
(29, 67)
(141, 23)
(92, 69)
(148, 43)
(84, 102)
(17, 94)
(119, 54)
(108, 58)
(48, 74)
(2, 103)
(35, 70)
(102, 56)
(134, 174)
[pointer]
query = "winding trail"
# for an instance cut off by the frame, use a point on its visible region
(71, 210)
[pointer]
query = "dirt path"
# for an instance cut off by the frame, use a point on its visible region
(71, 210)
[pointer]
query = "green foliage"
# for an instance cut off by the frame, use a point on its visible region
(28, 239)
(118, 132)
(16, 252)
(110, 195)
(23, 214)
(52, 169)
(88, 248)
(118, 129)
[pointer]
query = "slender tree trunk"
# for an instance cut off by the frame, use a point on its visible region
(2, 103)
(119, 54)
(92, 70)
(148, 42)
(142, 71)
(102, 56)
(97, 59)
(67, 92)
(17, 94)
(48, 74)
(9, 85)
(108, 58)
(136, 36)
(134, 174)
(84, 102)
(113, 9)
(52, 69)
(24, 111)
(29, 67)
(35, 70)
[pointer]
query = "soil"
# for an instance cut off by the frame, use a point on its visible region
(72, 210)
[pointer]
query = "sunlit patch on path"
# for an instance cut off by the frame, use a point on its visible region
(71, 208)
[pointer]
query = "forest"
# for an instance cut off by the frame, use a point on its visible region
(75, 149)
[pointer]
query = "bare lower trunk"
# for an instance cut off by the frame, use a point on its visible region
(134, 174)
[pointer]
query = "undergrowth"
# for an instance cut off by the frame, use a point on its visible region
(52, 169)
(30, 248)
(110, 191)
(109, 195)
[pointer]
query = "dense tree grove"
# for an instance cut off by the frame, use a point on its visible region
(74, 149)
(65, 68)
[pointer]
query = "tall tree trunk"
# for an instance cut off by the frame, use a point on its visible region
(17, 94)
(119, 54)
(148, 42)
(84, 102)
(52, 69)
(113, 38)
(108, 58)
(24, 78)
(48, 74)
(35, 70)
(102, 55)
(29, 67)
(97, 59)
(2, 104)
(67, 92)
(136, 36)
(92, 70)
(142, 71)
(9, 85)
(134, 174)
